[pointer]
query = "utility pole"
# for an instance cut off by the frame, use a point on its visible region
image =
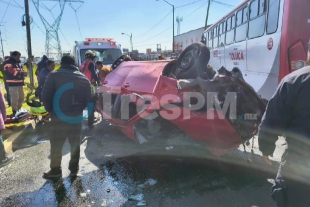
(30, 73)
(1, 43)
(206, 25)
(173, 30)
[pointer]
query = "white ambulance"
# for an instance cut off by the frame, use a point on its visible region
(106, 50)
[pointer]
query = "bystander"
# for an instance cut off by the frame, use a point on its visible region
(288, 113)
(4, 159)
(15, 76)
(65, 95)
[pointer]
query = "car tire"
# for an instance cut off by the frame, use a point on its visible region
(119, 60)
(192, 61)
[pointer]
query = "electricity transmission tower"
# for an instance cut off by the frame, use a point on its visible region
(179, 20)
(52, 42)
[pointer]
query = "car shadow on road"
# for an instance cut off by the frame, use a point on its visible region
(178, 172)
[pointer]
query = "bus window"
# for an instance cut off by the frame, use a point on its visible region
(215, 38)
(224, 27)
(239, 17)
(220, 29)
(228, 23)
(222, 35)
(256, 25)
(212, 36)
(230, 34)
(245, 15)
(233, 22)
(241, 30)
(273, 16)
(262, 7)
(254, 9)
(210, 45)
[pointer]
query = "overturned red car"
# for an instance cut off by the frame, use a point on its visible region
(148, 100)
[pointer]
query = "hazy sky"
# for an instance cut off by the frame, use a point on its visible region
(149, 21)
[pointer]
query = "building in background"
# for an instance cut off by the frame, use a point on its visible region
(184, 40)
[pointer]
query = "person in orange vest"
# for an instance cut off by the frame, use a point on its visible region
(89, 70)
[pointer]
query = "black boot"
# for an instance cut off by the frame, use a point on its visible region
(52, 175)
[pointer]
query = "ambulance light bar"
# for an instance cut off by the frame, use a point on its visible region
(99, 39)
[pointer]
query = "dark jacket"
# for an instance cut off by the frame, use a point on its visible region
(73, 89)
(42, 77)
(14, 72)
(288, 112)
(41, 64)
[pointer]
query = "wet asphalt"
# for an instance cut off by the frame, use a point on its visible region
(115, 171)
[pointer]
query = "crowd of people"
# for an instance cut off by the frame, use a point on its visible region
(71, 104)
(66, 92)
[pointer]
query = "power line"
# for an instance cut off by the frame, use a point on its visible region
(196, 9)
(155, 25)
(5, 11)
(19, 6)
(50, 10)
(154, 35)
(227, 5)
(188, 4)
(171, 26)
(77, 19)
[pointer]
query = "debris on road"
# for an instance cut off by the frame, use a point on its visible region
(150, 182)
(141, 203)
(83, 195)
(141, 186)
(138, 197)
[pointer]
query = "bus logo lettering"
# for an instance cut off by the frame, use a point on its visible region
(236, 56)
(270, 44)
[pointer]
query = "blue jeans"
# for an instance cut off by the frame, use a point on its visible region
(2, 150)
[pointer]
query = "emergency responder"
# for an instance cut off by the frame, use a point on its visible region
(288, 113)
(89, 70)
(65, 95)
(15, 76)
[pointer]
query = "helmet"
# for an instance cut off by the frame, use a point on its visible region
(90, 54)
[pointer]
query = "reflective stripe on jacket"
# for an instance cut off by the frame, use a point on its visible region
(14, 72)
(84, 68)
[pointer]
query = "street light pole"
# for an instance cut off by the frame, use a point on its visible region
(172, 24)
(131, 45)
(131, 42)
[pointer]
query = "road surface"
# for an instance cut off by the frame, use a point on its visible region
(113, 169)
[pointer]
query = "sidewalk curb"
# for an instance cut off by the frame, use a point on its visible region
(12, 143)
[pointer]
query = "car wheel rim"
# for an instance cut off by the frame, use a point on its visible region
(188, 57)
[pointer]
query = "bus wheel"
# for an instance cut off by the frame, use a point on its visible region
(192, 61)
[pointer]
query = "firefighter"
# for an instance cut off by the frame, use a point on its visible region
(89, 70)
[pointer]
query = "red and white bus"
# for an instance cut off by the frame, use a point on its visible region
(263, 39)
